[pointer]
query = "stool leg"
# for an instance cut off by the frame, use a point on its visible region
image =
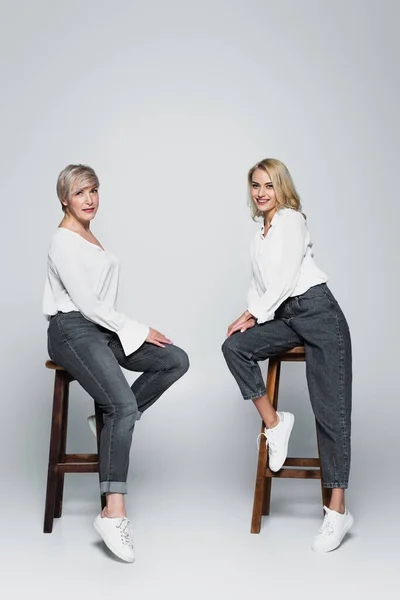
(99, 427)
(259, 491)
(262, 492)
(326, 494)
(273, 378)
(267, 496)
(55, 440)
(63, 449)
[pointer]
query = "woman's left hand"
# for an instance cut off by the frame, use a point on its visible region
(241, 325)
(250, 323)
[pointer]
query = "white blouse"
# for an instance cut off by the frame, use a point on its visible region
(82, 276)
(282, 264)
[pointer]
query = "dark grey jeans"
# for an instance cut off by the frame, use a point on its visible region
(315, 320)
(93, 355)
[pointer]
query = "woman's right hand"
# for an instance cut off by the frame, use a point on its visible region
(157, 338)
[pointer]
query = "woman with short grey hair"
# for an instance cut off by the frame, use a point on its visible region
(92, 340)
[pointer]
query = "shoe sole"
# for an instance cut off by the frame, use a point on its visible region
(110, 546)
(347, 528)
(288, 434)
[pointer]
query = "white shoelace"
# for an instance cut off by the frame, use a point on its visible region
(125, 530)
(329, 522)
(270, 443)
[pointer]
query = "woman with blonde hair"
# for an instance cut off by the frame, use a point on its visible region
(91, 339)
(288, 305)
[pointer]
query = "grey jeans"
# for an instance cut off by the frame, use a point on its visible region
(315, 320)
(93, 355)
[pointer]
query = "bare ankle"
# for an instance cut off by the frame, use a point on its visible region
(272, 422)
(113, 513)
(337, 501)
(339, 508)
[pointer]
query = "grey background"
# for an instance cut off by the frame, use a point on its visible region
(171, 103)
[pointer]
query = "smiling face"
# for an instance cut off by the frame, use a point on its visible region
(82, 203)
(263, 194)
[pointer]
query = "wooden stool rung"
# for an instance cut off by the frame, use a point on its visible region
(294, 474)
(302, 462)
(81, 458)
(79, 467)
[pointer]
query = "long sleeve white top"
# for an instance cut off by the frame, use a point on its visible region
(282, 264)
(82, 276)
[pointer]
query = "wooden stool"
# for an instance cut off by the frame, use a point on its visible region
(262, 492)
(59, 461)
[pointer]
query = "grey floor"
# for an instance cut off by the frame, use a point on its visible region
(191, 484)
(192, 538)
(118, 84)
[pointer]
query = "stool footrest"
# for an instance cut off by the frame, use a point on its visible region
(302, 462)
(80, 458)
(78, 463)
(89, 467)
(294, 473)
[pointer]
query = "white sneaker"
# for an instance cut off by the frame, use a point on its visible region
(333, 529)
(278, 440)
(92, 424)
(117, 535)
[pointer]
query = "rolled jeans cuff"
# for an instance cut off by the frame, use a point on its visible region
(113, 487)
(254, 396)
(336, 484)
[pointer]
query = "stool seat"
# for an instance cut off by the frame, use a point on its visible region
(294, 354)
(59, 461)
(49, 364)
(296, 351)
(312, 470)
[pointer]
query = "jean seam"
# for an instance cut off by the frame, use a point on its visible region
(257, 376)
(151, 379)
(264, 346)
(110, 454)
(342, 398)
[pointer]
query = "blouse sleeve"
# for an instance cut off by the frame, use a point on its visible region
(293, 250)
(67, 262)
(252, 295)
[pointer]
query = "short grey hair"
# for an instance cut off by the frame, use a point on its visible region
(74, 174)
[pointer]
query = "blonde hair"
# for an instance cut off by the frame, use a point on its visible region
(74, 174)
(286, 195)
